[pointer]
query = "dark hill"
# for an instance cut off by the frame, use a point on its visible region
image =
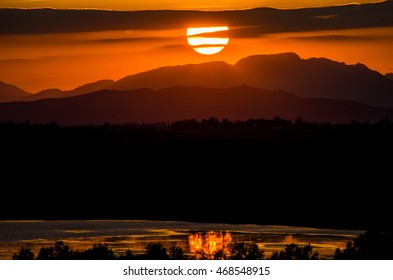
(308, 78)
(170, 104)
(210, 74)
(314, 78)
(57, 93)
(9, 93)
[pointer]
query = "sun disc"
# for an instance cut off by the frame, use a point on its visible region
(206, 45)
(208, 50)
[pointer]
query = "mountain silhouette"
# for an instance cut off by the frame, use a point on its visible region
(389, 75)
(312, 78)
(317, 77)
(211, 74)
(9, 93)
(307, 78)
(57, 93)
(186, 102)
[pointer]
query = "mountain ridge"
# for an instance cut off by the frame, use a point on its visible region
(9, 93)
(306, 78)
(187, 102)
(57, 93)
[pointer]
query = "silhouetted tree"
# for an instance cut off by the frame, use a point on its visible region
(176, 253)
(299, 121)
(60, 251)
(155, 251)
(296, 252)
(24, 253)
(241, 251)
(349, 253)
(254, 253)
(372, 245)
(128, 255)
(210, 123)
(99, 251)
(220, 255)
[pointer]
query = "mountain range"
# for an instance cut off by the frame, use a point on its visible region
(310, 78)
(187, 102)
(260, 86)
(57, 93)
(9, 93)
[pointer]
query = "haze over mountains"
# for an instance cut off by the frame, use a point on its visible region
(49, 48)
(54, 47)
(313, 78)
(57, 93)
(260, 86)
(187, 102)
(10, 93)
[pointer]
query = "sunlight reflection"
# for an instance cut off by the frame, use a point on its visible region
(210, 241)
(136, 235)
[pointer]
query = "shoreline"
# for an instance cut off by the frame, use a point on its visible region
(122, 235)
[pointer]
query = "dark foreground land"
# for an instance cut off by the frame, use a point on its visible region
(255, 171)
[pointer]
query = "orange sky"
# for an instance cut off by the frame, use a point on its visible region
(66, 60)
(36, 62)
(173, 4)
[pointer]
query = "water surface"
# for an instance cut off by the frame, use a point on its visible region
(122, 235)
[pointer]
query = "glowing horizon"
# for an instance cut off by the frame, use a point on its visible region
(34, 58)
(172, 4)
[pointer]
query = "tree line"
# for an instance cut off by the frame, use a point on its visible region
(374, 245)
(156, 251)
(319, 165)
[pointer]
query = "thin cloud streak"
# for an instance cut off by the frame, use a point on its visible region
(256, 21)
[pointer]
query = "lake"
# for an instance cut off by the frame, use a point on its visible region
(134, 235)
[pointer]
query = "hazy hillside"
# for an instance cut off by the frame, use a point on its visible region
(309, 78)
(210, 74)
(314, 78)
(10, 93)
(57, 93)
(170, 104)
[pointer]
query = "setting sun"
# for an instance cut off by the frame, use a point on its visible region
(166, 104)
(206, 45)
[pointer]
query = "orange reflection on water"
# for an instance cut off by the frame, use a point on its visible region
(209, 242)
